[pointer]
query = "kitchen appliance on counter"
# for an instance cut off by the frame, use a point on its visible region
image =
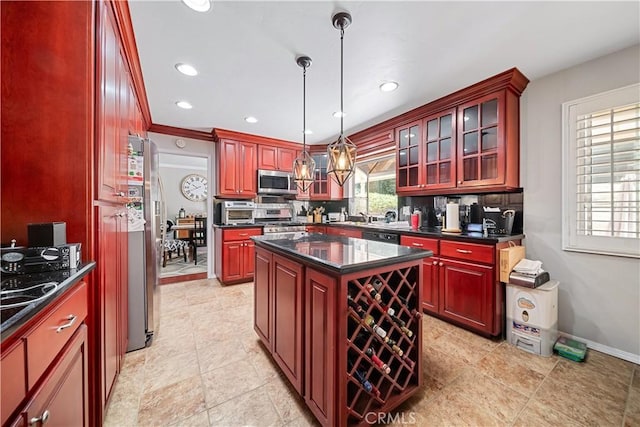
(276, 183)
(334, 216)
(283, 230)
(269, 212)
(145, 224)
(499, 221)
(234, 212)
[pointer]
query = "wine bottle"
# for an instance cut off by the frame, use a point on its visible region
(377, 284)
(394, 346)
(370, 289)
(402, 326)
(368, 320)
(356, 307)
(361, 342)
(360, 377)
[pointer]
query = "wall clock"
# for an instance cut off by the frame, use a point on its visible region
(194, 187)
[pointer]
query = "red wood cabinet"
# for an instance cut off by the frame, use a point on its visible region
(323, 187)
(276, 158)
(235, 260)
(430, 271)
(13, 380)
(237, 169)
(439, 150)
(409, 174)
(262, 295)
(319, 229)
(320, 346)
(346, 232)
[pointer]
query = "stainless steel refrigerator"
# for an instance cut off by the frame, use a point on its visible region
(145, 241)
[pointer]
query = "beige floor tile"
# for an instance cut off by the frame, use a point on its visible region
(535, 413)
(285, 399)
(453, 409)
(442, 366)
(171, 346)
(602, 364)
(538, 363)
(216, 354)
(588, 407)
(430, 333)
(264, 365)
(589, 380)
(171, 369)
(510, 371)
(460, 348)
(477, 341)
(171, 404)
(632, 413)
(201, 419)
(122, 413)
(499, 400)
(635, 383)
(223, 384)
(250, 409)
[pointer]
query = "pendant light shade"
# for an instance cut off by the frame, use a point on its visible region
(341, 153)
(304, 167)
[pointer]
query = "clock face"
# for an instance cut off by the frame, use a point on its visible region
(194, 187)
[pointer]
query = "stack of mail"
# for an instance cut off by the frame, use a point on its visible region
(526, 266)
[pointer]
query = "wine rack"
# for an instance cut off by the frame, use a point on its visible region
(384, 340)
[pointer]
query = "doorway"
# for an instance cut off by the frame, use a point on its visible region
(184, 179)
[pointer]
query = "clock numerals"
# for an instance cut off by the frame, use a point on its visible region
(194, 187)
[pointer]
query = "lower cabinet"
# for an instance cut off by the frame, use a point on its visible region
(346, 232)
(235, 254)
(318, 229)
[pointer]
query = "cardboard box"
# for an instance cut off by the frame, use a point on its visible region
(509, 257)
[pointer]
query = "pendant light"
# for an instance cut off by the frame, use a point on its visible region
(304, 167)
(342, 152)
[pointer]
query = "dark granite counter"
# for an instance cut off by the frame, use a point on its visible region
(57, 282)
(341, 254)
(233, 226)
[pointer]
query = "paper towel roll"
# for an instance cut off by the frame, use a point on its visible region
(453, 217)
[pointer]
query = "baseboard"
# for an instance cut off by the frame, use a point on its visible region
(611, 351)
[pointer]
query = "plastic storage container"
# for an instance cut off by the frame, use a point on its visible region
(532, 317)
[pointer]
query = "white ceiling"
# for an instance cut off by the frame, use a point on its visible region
(245, 52)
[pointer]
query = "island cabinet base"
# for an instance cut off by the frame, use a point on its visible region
(351, 344)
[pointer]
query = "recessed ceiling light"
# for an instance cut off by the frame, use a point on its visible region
(388, 86)
(308, 131)
(198, 5)
(184, 104)
(339, 114)
(187, 69)
(251, 119)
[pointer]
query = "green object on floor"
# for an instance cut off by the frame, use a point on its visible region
(571, 349)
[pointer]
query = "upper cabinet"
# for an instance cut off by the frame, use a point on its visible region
(237, 169)
(276, 158)
(409, 164)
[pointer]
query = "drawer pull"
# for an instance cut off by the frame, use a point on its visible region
(71, 320)
(42, 419)
(463, 251)
(418, 244)
(243, 234)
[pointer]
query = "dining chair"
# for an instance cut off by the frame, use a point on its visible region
(198, 236)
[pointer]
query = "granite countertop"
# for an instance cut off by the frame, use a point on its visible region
(341, 254)
(14, 317)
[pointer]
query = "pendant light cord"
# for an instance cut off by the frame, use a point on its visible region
(304, 109)
(341, 80)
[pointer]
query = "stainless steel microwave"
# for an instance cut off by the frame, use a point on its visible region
(276, 182)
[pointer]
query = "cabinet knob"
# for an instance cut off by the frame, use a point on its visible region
(119, 194)
(435, 262)
(41, 419)
(441, 264)
(459, 182)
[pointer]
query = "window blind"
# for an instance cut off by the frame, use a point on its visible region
(608, 172)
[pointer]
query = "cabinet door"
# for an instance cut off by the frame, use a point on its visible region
(440, 150)
(247, 170)
(228, 155)
(481, 150)
(262, 296)
(320, 345)
(267, 157)
(62, 399)
(346, 232)
(109, 290)
(430, 291)
(286, 157)
(13, 379)
(107, 144)
(408, 160)
(232, 260)
(467, 293)
(287, 318)
(320, 188)
(249, 258)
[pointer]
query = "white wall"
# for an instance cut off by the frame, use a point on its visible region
(599, 298)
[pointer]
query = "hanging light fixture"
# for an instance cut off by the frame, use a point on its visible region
(342, 152)
(304, 167)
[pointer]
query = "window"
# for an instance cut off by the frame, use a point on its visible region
(601, 177)
(374, 187)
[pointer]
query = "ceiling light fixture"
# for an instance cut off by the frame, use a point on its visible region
(186, 69)
(388, 86)
(339, 114)
(308, 131)
(251, 119)
(184, 104)
(198, 5)
(304, 167)
(342, 152)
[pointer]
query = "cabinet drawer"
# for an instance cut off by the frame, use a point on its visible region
(468, 251)
(240, 234)
(13, 379)
(420, 243)
(46, 340)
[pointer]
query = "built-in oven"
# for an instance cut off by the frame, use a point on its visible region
(284, 230)
(276, 182)
(237, 212)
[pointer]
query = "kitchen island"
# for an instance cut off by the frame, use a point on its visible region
(341, 317)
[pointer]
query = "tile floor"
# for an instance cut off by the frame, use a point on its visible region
(176, 266)
(206, 368)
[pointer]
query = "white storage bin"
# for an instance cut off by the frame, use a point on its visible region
(532, 317)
